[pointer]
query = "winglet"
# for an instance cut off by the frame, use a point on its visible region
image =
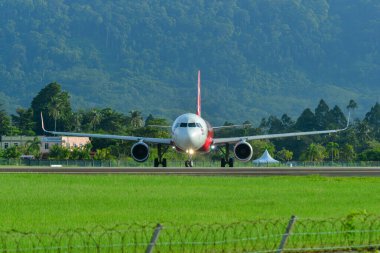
(42, 123)
(348, 120)
(199, 94)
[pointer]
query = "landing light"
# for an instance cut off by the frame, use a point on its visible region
(191, 151)
(213, 147)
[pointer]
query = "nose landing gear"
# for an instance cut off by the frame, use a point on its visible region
(189, 163)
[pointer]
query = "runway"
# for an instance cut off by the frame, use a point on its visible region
(267, 171)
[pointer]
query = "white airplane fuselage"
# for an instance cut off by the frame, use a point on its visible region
(191, 133)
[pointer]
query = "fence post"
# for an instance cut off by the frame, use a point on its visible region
(286, 235)
(154, 238)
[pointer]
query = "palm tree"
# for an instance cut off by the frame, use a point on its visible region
(54, 109)
(363, 131)
(348, 153)
(311, 152)
(33, 146)
(136, 119)
(96, 117)
(315, 152)
(352, 105)
(77, 116)
(333, 149)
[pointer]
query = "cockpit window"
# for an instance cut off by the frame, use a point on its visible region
(188, 125)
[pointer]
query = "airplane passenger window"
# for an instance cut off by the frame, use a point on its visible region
(183, 125)
(191, 124)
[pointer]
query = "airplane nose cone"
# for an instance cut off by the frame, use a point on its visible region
(187, 140)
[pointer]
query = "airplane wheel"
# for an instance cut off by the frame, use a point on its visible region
(231, 162)
(191, 163)
(222, 162)
(187, 163)
(164, 164)
(156, 162)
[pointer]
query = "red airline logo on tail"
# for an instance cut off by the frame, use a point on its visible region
(199, 94)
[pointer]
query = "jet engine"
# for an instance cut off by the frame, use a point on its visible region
(243, 151)
(140, 152)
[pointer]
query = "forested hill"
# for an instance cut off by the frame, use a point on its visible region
(257, 57)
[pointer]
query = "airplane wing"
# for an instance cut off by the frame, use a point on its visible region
(160, 126)
(166, 141)
(231, 126)
(232, 140)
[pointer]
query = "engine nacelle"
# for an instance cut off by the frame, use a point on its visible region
(140, 152)
(243, 151)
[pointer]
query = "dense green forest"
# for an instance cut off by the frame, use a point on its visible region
(258, 58)
(361, 142)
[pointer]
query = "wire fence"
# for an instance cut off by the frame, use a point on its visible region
(177, 163)
(353, 233)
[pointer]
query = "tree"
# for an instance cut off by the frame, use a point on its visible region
(274, 125)
(96, 117)
(284, 155)
(322, 115)
(12, 152)
(53, 101)
(24, 121)
(363, 131)
(348, 153)
(259, 146)
(103, 154)
(315, 152)
(352, 105)
(372, 118)
(33, 147)
(59, 152)
(113, 122)
(5, 122)
(306, 121)
(81, 153)
(372, 153)
(336, 118)
(136, 119)
(55, 107)
(77, 118)
(287, 122)
(333, 150)
(149, 119)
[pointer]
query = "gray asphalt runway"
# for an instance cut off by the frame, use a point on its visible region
(267, 171)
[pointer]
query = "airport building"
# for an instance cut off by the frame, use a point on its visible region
(9, 141)
(46, 141)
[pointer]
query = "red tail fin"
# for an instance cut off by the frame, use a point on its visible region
(199, 94)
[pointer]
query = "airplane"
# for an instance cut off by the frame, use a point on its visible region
(192, 134)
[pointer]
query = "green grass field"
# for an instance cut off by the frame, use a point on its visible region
(37, 202)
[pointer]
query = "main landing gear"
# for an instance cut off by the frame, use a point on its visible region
(226, 159)
(160, 153)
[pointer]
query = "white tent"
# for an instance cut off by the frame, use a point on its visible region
(265, 158)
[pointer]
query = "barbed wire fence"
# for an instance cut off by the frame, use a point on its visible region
(352, 233)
